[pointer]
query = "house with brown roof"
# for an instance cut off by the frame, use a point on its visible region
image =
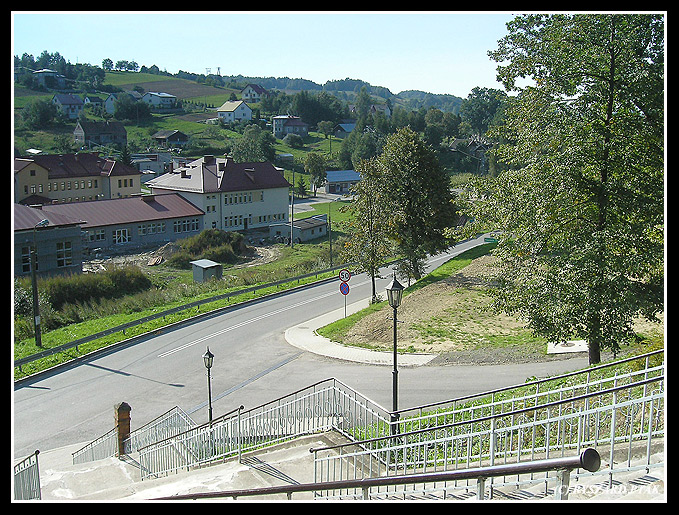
(49, 178)
(170, 138)
(88, 133)
(234, 196)
(137, 221)
(287, 124)
(253, 93)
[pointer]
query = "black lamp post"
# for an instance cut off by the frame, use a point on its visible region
(34, 283)
(394, 295)
(208, 358)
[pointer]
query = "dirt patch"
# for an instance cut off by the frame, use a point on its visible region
(258, 254)
(451, 318)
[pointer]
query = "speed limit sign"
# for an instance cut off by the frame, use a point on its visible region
(344, 275)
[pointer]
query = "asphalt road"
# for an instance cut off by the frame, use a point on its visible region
(253, 364)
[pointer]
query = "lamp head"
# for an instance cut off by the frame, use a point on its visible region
(208, 358)
(395, 293)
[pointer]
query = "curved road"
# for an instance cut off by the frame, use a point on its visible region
(253, 364)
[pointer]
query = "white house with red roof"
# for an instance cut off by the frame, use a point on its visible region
(233, 196)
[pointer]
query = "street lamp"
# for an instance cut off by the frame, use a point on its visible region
(208, 358)
(34, 283)
(394, 295)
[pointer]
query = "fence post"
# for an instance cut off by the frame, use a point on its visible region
(122, 420)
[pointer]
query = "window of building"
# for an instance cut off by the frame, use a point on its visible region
(64, 253)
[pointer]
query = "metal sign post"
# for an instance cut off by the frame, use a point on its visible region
(344, 276)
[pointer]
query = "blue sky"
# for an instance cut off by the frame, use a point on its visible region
(438, 52)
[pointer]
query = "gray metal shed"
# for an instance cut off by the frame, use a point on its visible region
(204, 269)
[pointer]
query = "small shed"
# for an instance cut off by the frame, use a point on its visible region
(304, 229)
(204, 269)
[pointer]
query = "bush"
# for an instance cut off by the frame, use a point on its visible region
(80, 288)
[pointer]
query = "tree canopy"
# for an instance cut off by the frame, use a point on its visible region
(581, 207)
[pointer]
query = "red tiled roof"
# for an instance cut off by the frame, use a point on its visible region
(210, 174)
(26, 217)
(76, 165)
(98, 213)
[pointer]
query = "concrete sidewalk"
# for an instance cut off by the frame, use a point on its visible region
(304, 337)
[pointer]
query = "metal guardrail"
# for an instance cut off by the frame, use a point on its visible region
(123, 327)
(589, 460)
(27, 478)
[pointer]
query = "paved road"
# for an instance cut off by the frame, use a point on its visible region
(253, 364)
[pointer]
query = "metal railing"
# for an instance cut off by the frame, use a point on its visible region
(320, 407)
(184, 307)
(623, 418)
(170, 423)
(370, 488)
(27, 478)
(103, 447)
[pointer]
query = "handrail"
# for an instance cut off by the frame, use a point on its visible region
(494, 416)
(589, 460)
(530, 383)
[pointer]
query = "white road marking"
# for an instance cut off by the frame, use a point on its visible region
(252, 320)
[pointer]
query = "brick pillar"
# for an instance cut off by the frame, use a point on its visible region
(122, 421)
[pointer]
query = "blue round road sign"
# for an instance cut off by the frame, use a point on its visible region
(344, 288)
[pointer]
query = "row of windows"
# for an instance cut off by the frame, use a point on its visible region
(64, 256)
(237, 220)
(65, 186)
(124, 235)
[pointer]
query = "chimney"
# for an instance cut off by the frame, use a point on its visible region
(208, 159)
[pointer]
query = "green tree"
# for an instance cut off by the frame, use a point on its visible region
(255, 146)
(314, 165)
(417, 199)
(39, 114)
(581, 208)
(368, 246)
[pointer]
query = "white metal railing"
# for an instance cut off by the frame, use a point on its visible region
(170, 423)
(320, 407)
(27, 478)
(103, 447)
(621, 419)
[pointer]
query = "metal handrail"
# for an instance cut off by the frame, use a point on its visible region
(486, 418)
(527, 384)
(589, 460)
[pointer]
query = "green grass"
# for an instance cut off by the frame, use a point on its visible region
(336, 330)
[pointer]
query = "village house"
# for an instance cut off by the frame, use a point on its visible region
(159, 100)
(69, 105)
(89, 133)
(287, 124)
(50, 178)
(233, 111)
(253, 93)
(109, 103)
(233, 196)
(170, 138)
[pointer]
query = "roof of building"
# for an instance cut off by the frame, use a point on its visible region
(25, 218)
(68, 166)
(230, 106)
(141, 208)
(68, 99)
(211, 174)
(342, 176)
(107, 127)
